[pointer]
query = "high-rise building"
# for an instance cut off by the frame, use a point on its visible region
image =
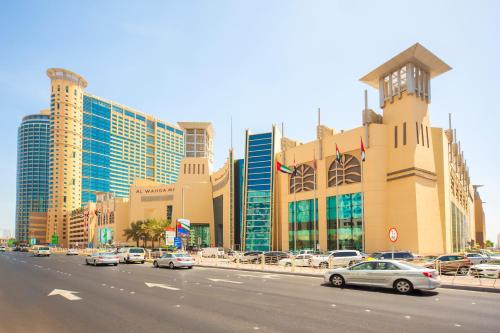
(258, 193)
(98, 145)
(121, 144)
(66, 116)
(32, 170)
(199, 140)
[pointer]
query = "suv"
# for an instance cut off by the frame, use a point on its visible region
(400, 255)
(39, 251)
(451, 264)
(337, 258)
(250, 257)
(274, 257)
(131, 254)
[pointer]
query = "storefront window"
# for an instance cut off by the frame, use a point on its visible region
(303, 226)
(350, 222)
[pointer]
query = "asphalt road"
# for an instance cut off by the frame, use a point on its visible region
(117, 299)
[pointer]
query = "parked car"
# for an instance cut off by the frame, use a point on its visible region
(302, 260)
(476, 258)
(157, 252)
(174, 260)
(72, 252)
(490, 269)
(400, 276)
(3, 249)
(41, 251)
(102, 258)
(450, 264)
(213, 252)
(273, 257)
(396, 255)
(336, 258)
(24, 249)
(250, 257)
(131, 254)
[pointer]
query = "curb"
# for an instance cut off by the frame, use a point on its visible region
(445, 286)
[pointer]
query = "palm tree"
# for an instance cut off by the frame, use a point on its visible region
(157, 229)
(134, 232)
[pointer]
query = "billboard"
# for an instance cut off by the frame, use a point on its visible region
(105, 235)
(169, 236)
(183, 227)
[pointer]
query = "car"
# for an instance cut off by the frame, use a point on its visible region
(72, 252)
(102, 258)
(396, 255)
(273, 257)
(490, 269)
(41, 251)
(302, 260)
(3, 249)
(174, 260)
(400, 276)
(476, 258)
(250, 257)
(336, 258)
(24, 249)
(450, 264)
(131, 254)
(213, 252)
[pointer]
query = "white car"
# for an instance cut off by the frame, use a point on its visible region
(131, 254)
(302, 260)
(41, 251)
(337, 258)
(72, 252)
(476, 258)
(400, 276)
(3, 249)
(102, 258)
(490, 269)
(174, 260)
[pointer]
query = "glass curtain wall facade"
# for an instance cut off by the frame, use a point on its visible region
(459, 229)
(199, 235)
(302, 225)
(120, 144)
(259, 157)
(350, 233)
(33, 142)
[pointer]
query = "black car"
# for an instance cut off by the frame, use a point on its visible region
(273, 257)
(399, 255)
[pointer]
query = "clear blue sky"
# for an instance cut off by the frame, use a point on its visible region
(261, 62)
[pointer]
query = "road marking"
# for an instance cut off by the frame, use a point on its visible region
(407, 317)
(177, 306)
(255, 328)
(473, 303)
(121, 289)
(227, 281)
(159, 285)
(368, 310)
(66, 294)
(104, 284)
(437, 299)
(458, 325)
(112, 287)
(334, 305)
(132, 292)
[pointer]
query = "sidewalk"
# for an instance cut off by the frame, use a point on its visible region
(447, 281)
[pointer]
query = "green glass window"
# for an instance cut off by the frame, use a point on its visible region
(302, 227)
(199, 235)
(350, 210)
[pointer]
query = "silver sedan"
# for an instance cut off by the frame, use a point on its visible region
(103, 258)
(402, 277)
(174, 260)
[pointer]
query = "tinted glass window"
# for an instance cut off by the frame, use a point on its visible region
(387, 266)
(365, 266)
(136, 251)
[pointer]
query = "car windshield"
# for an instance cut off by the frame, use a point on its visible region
(136, 250)
(44, 249)
(108, 254)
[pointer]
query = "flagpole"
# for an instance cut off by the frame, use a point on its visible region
(337, 201)
(314, 201)
(294, 206)
(362, 201)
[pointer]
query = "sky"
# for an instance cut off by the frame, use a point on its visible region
(257, 62)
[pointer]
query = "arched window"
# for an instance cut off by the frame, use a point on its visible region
(348, 171)
(302, 179)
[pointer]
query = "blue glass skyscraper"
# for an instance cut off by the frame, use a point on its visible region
(33, 142)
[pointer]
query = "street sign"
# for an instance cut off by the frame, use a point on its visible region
(55, 239)
(178, 242)
(169, 236)
(33, 241)
(393, 235)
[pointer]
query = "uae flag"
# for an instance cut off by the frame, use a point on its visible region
(363, 153)
(338, 154)
(283, 168)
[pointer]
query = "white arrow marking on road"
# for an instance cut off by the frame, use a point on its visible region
(228, 281)
(159, 285)
(268, 276)
(66, 294)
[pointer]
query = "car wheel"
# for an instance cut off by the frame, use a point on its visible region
(115, 264)
(403, 286)
(95, 263)
(155, 264)
(323, 265)
(463, 271)
(171, 265)
(86, 262)
(142, 262)
(337, 280)
(190, 267)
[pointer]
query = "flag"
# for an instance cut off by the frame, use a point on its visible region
(363, 152)
(338, 153)
(283, 168)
